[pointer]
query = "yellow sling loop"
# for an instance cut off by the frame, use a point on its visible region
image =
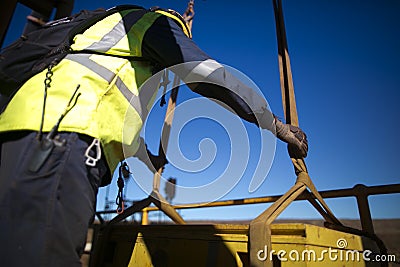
(260, 230)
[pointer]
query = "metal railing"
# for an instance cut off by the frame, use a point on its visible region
(360, 192)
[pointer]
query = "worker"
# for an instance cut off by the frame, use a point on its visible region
(56, 153)
(37, 19)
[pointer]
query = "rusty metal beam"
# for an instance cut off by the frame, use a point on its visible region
(158, 199)
(337, 193)
(155, 197)
(260, 227)
(364, 209)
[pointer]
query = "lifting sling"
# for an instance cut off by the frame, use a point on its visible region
(260, 230)
(155, 197)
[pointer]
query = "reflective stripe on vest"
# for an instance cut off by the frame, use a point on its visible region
(118, 31)
(108, 75)
(124, 34)
(139, 103)
(113, 43)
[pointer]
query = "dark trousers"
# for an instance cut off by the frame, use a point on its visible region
(44, 215)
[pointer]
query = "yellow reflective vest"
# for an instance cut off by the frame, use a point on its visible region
(111, 106)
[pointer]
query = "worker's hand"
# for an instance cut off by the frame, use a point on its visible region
(157, 162)
(294, 137)
(153, 162)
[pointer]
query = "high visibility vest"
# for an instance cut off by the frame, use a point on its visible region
(112, 106)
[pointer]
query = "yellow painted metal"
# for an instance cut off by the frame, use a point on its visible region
(190, 245)
(309, 245)
(227, 245)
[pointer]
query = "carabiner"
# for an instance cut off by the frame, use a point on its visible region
(91, 161)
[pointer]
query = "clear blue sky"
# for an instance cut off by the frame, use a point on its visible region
(345, 62)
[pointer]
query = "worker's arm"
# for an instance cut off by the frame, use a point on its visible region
(166, 45)
(153, 162)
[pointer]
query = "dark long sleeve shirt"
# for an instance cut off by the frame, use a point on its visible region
(166, 45)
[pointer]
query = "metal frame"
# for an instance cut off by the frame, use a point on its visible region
(260, 227)
(304, 189)
(360, 192)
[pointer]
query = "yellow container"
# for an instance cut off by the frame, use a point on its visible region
(311, 246)
(227, 245)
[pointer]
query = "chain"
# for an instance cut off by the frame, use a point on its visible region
(124, 173)
(47, 84)
(189, 13)
(49, 75)
(120, 198)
